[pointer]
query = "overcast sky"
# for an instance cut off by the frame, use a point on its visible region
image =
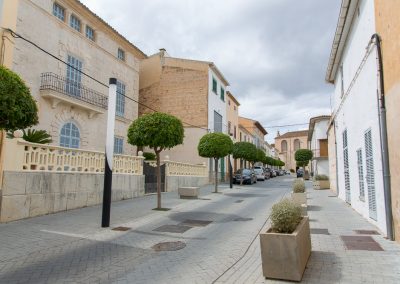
(274, 53)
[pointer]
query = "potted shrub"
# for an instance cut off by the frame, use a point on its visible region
(321, 182)
(299, 196)
(286, 246)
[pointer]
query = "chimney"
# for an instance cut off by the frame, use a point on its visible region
(278, 134)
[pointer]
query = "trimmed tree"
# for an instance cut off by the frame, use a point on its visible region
(245, 151)
(18, 110)
(158, 131)
(302, 157)
(216, 146)
(260, 156)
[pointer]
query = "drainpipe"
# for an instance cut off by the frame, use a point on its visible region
(384, 141)
(336, 158)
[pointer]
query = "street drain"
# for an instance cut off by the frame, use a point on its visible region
(366, 232)
(195, 223)
(317, 231)
(240, 219)
(238, 201)
(169, 246)
(361, 243)
(123, 229)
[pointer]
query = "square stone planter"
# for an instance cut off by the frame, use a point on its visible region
(321, 184)
(299, 198)
(188, 192)
(284, 256)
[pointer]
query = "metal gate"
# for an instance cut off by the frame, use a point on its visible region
(150, 178)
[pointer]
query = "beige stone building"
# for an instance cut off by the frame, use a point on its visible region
(244, 136)
(192, 90)
(256, 129)
(288, 143)
(232, 113)
(72, 106)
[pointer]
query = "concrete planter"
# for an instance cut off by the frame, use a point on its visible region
(188, 192)
(284, 256)
(299, 198)
(321, 184)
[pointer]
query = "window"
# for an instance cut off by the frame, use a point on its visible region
(118, 145)
(229, 102)
(360, 174)
(217, 122)
(234, 132)
(229, 128)
(234, 107)
(296, 144)
(121, 54)
(120, 104)
(74, 76)
(89, 33)
(283, 146)
(59, 11)
(222, 94)
(69, 136)
(75, 23)
(214, 85)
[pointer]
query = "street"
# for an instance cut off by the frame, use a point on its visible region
(214, 231)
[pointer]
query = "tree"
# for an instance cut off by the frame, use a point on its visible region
(302, 157)
(18, 110)
(245, 151)
(34, 136)
(260, 156)
(158, 131)
(216, 146)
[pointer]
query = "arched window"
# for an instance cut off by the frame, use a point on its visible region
(69, 136)
(296, 144)
(284, 146)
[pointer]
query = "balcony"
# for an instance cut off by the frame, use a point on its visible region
(320, 154)
(62, 90)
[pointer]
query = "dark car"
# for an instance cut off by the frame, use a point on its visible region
(246, 175)
(300, 173)
(267, 173)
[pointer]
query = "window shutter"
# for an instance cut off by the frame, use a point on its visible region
(369, 160)
(346, 167)
(360, 174)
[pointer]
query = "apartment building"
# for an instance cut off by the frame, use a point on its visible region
(192, 90)
(72, 106)
(364, 69)
(256, 130)
(232, 113)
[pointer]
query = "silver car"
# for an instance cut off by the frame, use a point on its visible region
(259, 173)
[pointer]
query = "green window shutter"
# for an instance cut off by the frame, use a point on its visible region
(214, 86)
(222, 94)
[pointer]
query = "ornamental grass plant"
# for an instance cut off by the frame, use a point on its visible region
(321, 177)
(285, 216)
(299, 186)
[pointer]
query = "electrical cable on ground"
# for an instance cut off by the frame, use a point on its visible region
(248, 247)
(18, 36)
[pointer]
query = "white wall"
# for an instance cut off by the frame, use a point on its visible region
(360, 113)
(215, 103)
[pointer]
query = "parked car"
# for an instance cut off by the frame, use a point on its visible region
(300, 173)
(273, 173)
(287, 172)
(259, 173)
(246, 175)
(281, 172)
(267, 173)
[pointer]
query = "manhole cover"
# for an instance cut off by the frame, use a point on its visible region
(169, 246)
(318, 231)
(240, 219)
(204, 198)
(173, 229)
(366, 232)
(195, 223)
(121, 229)
(361, 243)
(238, 201)
(245, 195)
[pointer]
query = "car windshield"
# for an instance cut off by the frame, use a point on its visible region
(258, 171)
(246, 172)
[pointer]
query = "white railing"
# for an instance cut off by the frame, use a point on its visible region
(184, 169)
(26, 156)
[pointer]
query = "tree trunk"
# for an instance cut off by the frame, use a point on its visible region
(216, 175)
(158, 180)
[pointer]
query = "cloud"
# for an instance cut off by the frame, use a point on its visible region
(273, 52)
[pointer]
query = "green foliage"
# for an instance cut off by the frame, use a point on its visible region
(303, 155)
(148, 156)
(321, 177)
(292, 171)
(215, 145)
(18, 110)
(260, 155)
(156, 130)
(269, 161)
(34, 136)
(299, 186)
(285, 216)
(302, 163)
(245, 151)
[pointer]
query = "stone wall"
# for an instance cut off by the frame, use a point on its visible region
(29, 194)
(172, 183)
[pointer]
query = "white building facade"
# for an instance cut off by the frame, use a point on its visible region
(318, 144)
(353, 70)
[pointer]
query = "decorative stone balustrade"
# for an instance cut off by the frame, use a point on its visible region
(26, 156)
(184, 169)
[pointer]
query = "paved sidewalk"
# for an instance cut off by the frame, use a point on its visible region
(330, 261)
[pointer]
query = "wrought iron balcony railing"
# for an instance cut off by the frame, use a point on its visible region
(72, 89)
